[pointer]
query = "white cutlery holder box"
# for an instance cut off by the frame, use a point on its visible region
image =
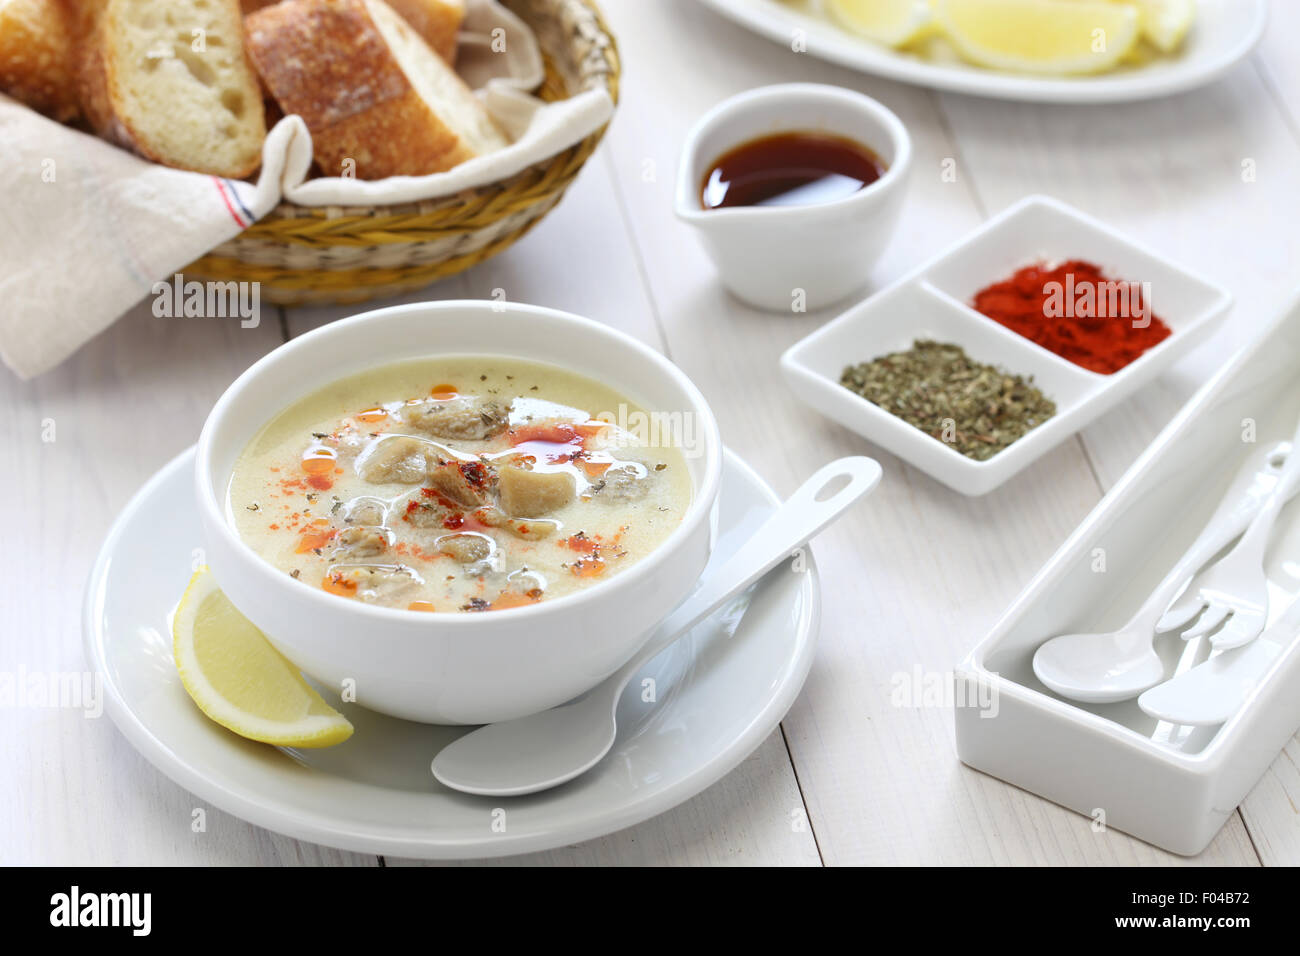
(1171, 786)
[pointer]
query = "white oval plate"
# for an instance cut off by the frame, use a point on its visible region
(1224, 32)
(720, 692)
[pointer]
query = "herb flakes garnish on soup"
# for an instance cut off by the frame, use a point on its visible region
(459, 484)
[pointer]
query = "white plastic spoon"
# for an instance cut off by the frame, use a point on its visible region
(1120, 665)
(547, 749)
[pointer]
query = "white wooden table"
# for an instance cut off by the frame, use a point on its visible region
(911, 580)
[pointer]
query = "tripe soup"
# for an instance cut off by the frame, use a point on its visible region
(466, 483)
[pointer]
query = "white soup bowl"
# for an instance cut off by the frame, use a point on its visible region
(457, 668)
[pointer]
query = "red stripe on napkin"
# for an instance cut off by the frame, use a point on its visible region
(225, 197)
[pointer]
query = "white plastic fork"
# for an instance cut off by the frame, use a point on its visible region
(1119, 665)
(1211, 692)
(1235, 588)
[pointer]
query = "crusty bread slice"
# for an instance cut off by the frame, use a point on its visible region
(377, 100)
(169, 79)
(438, 21)
(435, 80)
(38, 57)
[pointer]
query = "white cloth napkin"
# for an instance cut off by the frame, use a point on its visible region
(86, 229)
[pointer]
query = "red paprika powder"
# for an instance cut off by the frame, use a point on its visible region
(1074, 310)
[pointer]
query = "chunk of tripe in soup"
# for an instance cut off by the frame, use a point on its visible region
(466, 483)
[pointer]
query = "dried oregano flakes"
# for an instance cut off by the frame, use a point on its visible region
(975, 408)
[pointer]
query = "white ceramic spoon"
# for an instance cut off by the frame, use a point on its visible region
(547, 749)
(1121, 664)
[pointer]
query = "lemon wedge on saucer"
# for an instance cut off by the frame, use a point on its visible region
(892, 22)
(1164, 23)
(239, 680)
(1048, 37)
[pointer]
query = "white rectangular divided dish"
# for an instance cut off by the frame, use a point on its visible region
(931, 302)
(1172, 786)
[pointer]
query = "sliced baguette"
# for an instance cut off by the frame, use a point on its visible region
(144, 84)
(38, 57)
(377, 100)
(438, 21)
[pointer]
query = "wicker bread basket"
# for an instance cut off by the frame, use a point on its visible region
(333, 254)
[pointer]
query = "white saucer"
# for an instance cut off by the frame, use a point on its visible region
(718, 699)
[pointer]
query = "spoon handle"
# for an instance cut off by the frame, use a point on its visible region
(812, 507)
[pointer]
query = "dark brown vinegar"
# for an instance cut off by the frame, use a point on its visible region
(797, 168)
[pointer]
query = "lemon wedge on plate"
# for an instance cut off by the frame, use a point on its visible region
(239, 680)
(1164, 23)
(1041, 36)
(892, 22)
